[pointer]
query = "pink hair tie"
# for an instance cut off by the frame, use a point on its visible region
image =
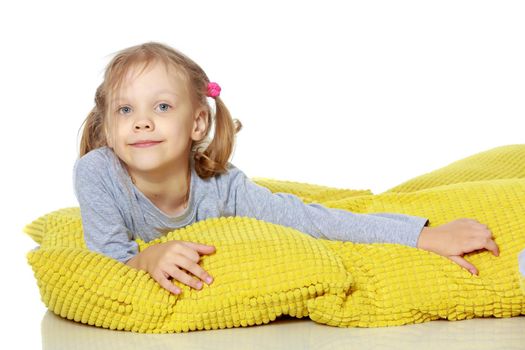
(214, 90)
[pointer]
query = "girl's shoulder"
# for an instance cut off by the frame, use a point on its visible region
(232, 171)
(97, 156)
(98, 159)
(231, 177)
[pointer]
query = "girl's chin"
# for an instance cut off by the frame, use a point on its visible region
(149, 163)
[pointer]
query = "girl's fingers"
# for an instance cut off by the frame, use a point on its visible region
(189, 253)
(196, 270)
(182, 276)
(464, 263)
(165, 283)
(194, 267)
(492, 246)
(201, 248)
(479, 242)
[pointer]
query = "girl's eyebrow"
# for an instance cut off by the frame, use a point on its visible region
(167, 92)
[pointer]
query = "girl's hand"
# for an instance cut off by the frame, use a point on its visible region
(456, 238)
(173, 259)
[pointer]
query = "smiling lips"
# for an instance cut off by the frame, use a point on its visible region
(145, 143)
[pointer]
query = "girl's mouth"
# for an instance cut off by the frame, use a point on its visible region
(146, 144)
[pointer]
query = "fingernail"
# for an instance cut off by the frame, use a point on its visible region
(199, 285)
(209, 280)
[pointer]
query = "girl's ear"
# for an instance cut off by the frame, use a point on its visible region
(200, 124)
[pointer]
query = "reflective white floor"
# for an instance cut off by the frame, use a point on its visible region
(292, 333)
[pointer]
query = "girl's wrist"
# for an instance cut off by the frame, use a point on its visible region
(423, 242)
(137, 262)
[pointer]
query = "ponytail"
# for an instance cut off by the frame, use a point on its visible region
(93, 135)
(216, 156)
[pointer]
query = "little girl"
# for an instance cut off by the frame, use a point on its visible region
(147, 167)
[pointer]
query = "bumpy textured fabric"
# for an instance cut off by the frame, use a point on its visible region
(262, 270)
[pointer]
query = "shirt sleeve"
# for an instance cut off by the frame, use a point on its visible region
(521, 262)
(103, 225)
(250, 199)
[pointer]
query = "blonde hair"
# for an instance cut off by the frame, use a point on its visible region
(210, 156)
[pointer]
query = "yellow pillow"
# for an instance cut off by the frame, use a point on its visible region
(262, 270)
(256, 279)
(503, 162)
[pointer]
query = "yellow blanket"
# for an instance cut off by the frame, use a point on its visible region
(262, 270)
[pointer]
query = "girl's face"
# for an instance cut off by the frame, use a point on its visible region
(155, 106)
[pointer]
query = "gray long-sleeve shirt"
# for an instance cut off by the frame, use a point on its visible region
(115, 212)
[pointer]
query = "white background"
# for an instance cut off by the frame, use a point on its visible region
(361, 95)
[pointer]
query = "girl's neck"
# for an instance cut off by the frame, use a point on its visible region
(169, 192)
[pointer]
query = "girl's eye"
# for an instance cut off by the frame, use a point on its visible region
(121, 108)
(164, 104)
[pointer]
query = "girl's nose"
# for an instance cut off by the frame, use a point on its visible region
(143, 124)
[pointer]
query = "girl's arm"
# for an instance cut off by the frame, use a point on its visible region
(246, 198)
(104, 229)
(453, 239)
(105, 232)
